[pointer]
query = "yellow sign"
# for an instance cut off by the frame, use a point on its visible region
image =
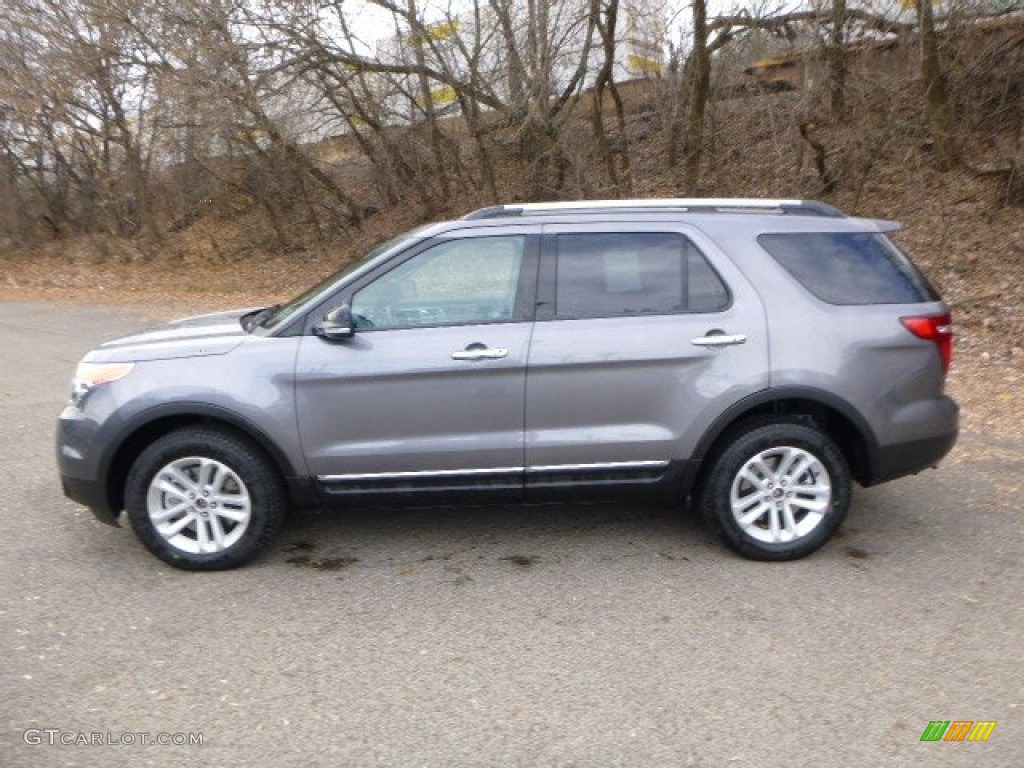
(435, 33)
(645, 64)
(443, 95)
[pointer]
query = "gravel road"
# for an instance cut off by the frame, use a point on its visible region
(584, 636)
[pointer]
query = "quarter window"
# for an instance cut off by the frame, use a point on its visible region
(849, 267)
(653, 273)
(458, 282)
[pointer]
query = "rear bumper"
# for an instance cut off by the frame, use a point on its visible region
(931, 429)
(895, 461)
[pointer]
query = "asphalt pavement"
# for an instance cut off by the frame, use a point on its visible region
(562, 636)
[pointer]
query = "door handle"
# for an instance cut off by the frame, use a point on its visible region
(719, 339)
(480, 352)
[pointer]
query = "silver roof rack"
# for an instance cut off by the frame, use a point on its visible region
(688, 204)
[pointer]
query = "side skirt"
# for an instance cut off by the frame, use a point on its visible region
(660, 480)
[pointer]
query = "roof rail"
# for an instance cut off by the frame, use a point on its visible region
(691, 205)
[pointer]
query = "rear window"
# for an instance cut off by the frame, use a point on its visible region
(849, 267)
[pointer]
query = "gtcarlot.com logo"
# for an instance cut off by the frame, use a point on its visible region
(55, 736)
(958, 730)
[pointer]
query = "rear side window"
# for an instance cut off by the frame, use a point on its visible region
(849, 267)
(644, 273)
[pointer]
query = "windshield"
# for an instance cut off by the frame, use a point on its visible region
(279, 313)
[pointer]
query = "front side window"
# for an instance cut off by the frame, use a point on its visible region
(643, 273)
(457, 282)
(277, 315)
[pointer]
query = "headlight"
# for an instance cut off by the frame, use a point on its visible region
(88, 376)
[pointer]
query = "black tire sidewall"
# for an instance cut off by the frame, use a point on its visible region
(256, 471)
(738, 451)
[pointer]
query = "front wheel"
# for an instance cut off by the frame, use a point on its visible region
(204, 499)
(777, 491)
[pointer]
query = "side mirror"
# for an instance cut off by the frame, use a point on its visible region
(336, 325)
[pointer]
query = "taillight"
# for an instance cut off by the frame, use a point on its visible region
(937, 328)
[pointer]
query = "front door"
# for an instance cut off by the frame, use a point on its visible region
(428, 395)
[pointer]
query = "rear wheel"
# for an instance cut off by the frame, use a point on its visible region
(204, 499)
(777, 491)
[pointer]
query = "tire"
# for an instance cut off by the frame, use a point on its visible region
(204, 499)
(777, 490)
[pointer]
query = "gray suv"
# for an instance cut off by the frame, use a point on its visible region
(752, 357)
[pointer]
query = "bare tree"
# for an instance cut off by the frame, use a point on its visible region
(837, 60)
(937, 99)
(606, 23)
(698, 83)
(74, 73)
(137, 117)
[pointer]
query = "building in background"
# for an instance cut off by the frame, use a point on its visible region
(529, 50)
(799, 59)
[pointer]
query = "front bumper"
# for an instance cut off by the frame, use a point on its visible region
(81, 476)
(92, 495)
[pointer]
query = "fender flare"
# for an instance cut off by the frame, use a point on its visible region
(197, 411)
(736, 411)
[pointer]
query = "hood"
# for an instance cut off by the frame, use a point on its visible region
(204, 335)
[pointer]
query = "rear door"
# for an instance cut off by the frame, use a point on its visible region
(644, 334)
(428, 395)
